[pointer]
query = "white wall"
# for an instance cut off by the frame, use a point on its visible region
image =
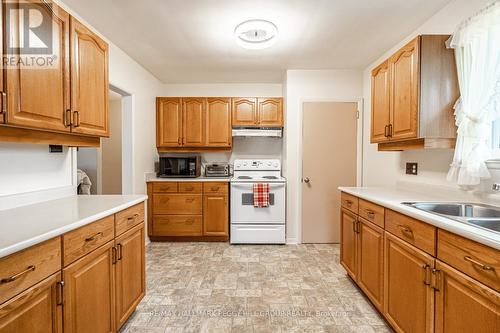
(111, 150)
(301, 86)
(385, 169)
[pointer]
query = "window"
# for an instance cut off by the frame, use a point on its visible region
(495, 139)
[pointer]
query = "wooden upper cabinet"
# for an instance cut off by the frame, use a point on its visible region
(463, 304)
(244, 112)
(218, 122)
(168, 122)
(37, 310)
(38, 97)
(130, 273)
(270, 112)
(215, 215)
(348, 242)
(193, 122)
(409, 299)
(381, 112)
(89, 294)
(405, 94)
(89, 81)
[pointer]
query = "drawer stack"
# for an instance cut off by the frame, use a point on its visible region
(188, 211)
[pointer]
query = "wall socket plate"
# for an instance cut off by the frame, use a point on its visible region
(55, 149)
(412, 169)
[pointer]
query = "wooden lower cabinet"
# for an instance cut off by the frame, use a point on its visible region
(409, 298)
(130, 273)
(370, 257)
(215, 215)
(463, 304)
(89, 293)
(36, 310)
(348, 242)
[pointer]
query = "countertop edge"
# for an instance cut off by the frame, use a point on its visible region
(188, 180)
(67, 228)
(466, 231)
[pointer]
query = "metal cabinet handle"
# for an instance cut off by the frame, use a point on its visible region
(3, 109)
(406, 230)
(189, 200)
(189, 188)
(215, 188)
(390, 131)
(94, 237)
(427, 276)
(18, 275)
(119, 251)
(480, 264)
(133, 217)
(67, 116)
(349, 203)
(113, 255)
(370, 214)
(386, 131)
(189, 221)
(77, 122)
(59, 294)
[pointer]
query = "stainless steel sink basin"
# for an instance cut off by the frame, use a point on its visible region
(479, 215)
(467, 210)
(487, 224)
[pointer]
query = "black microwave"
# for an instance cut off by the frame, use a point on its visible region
(186, 166)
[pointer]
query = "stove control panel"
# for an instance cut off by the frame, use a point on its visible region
(265, 164)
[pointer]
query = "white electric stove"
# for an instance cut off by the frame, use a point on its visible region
(250, 225)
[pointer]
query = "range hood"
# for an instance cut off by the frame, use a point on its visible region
(273, 132)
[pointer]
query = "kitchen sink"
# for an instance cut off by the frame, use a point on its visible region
(479, 215)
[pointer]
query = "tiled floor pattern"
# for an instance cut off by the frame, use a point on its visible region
(215, 287)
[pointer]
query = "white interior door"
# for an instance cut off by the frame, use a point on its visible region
(329, 146)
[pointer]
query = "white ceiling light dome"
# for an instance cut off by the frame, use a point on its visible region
(256, 34)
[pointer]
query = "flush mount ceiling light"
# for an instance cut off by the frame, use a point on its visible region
(256, 34)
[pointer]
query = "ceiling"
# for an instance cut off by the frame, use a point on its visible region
(191, 41)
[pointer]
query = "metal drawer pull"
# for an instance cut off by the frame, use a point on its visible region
(406, 230)
(189, 188)
(76, 123)
(215, 188)
(349, 203)
(189, 221)
(189, 200)
(133, 217)
(119, 250)
(475, 262)
(370, 213)
(18, 275)
(93, 237)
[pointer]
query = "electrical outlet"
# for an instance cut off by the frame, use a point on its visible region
(55, 149)
(412, 169)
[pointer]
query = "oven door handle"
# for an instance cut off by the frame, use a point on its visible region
(246, 186)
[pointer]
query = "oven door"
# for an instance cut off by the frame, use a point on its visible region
(243, 211)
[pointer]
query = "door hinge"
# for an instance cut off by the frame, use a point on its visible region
(59, 293)
(357, 114)
(436, 279)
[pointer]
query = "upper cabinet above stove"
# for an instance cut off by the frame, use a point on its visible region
(413, 93)
(187, 124)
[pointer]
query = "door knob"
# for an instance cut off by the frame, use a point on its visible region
(307, 180)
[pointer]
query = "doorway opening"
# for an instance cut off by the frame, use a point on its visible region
(329, 159)
(109, 168)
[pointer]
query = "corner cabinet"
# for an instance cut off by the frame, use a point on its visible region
(413, 93)
(65, 102)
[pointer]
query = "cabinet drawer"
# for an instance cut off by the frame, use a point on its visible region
(177, 204)
(476, 260)
(79, 242)
(349, 202)
(190, 187)
(177, 225)
(417, 233)
(23, 269)
(128, 218)
(372, 212)
(165, 187)
(212, 187)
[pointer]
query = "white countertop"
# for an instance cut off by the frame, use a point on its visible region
(392, 199)
(197, 179)
(29, 225)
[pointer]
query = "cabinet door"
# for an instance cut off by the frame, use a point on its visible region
(89, 81)
(168, 122)
(130, 274)
(370, 252)
(37, 310)
(465, 305)
(244, 112)
(270, 112)
(38, 96)
(381, 112)
(193, 122)
(218, 122)
(89, 293)
(215, 215)
(348, 240)
(409, 299)
(405, 72)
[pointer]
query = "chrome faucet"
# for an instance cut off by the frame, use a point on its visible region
(496, 187)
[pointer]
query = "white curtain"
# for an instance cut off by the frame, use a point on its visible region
(477, 51)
